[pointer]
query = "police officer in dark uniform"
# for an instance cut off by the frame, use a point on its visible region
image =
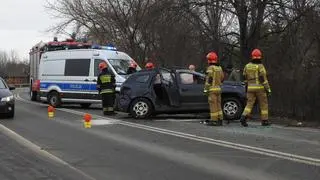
(106, 86)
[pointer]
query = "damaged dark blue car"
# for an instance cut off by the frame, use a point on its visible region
(175, 91)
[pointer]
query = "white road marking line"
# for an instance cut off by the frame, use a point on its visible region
(38, 150)
(103, 122)
(252, 149)
(177, 120)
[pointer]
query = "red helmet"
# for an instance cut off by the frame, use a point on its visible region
(149, 65)
(256, 54)
(212, 57)
(103, 65)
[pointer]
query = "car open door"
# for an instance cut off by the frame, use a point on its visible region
(191, 87)
(169, 84)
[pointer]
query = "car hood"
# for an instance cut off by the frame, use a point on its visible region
(5, 93)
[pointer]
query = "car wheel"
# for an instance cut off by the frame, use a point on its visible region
(54, 99)
(232, 108)
(141, 108)
(85, 105)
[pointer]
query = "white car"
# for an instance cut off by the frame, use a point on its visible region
(70, 76)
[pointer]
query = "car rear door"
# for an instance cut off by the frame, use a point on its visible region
(169, 83)
(191, 90)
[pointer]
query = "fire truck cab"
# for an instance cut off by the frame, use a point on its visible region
(34, 59)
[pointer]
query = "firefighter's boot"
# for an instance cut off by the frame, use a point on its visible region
(243, 121)
(265, 123)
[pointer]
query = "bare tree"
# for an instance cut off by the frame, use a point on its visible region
(178, 32)
(11, 65)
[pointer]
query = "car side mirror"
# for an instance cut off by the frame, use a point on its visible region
(11, 88)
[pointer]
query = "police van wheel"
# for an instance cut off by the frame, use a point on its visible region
(54, 99)
(141, 108)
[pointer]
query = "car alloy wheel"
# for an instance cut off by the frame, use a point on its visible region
(141, 108)
(230, 108)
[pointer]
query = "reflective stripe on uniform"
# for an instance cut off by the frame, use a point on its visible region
(108, 109)
(257, 74)
(213, 77)
(264, 112)
(104, 91)
(215, 89)
(255, 87)
(105, 79)
(214, 114)
(246, 111)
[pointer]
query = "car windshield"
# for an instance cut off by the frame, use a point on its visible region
(2, 85)
(121, 65)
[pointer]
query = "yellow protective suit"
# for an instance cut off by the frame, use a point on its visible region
(214, 80)
(258, 86)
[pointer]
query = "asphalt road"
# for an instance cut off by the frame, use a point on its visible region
(167, 147)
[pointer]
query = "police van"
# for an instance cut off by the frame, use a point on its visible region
(70, 75)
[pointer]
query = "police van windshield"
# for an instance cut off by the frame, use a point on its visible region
(120, 65)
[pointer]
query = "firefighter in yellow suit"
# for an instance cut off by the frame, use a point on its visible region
(212, 88)
(258, 87)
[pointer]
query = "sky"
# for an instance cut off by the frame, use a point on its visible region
(23, 23)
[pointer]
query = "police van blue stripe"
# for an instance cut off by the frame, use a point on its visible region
(69, 86)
